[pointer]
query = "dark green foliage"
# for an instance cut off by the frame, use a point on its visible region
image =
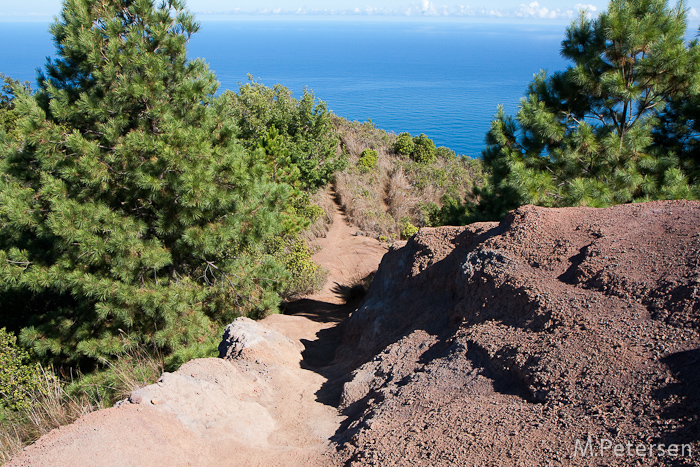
(130, 216)
(404, 144)
(19, 379)
(678, 131)
(423, 149)
(606, 130)
(450, 212)
(367, 161)
(298, 136)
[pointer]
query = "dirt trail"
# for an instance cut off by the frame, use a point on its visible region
(263, 407)
(349, 257)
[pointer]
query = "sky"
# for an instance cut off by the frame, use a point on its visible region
(561, 10)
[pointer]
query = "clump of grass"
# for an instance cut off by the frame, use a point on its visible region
(50, 406)
(133, 370)
(36, 400)
(355, 290)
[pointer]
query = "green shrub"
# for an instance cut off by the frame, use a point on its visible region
(367, 161)
(407, 228)
(297, 135)
(305, 276)
(19, 378)
(404, 144)
(423, 149)
(445, 153)
(312, 212)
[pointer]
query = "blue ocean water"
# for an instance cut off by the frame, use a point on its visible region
(444, 79)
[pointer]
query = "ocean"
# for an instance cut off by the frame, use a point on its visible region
(442, 78)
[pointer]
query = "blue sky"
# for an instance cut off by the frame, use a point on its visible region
(41, 10)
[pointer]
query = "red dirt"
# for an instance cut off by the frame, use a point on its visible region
(490, 344)
(505, 344)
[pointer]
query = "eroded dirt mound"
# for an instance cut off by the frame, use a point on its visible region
(517, 343)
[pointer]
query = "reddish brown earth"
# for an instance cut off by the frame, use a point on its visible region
(504, 344)
(490, 344)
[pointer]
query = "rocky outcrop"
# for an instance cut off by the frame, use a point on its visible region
(508, 342)
(225, 398)
(251, 394)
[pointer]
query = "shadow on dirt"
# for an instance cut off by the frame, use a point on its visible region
(319, 354)
(684, 413)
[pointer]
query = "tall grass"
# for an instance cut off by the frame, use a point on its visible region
(55, 403)
(51, 407)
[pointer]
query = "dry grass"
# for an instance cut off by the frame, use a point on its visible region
(319, 228)
(10, 443)
(51, 407)
(134, 370)
(398, 189)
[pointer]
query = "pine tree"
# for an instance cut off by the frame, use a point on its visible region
(8, 116)
(586, 136)
(130, 216)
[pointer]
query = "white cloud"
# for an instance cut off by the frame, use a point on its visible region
(693, 14)
(532, 10)
(537, 11)
(428, 8)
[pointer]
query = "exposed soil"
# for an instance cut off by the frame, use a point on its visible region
(506, 344)
(491, 344)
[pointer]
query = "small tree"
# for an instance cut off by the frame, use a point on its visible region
(585, 136)
(130, 216)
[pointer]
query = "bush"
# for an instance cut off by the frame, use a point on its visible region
(407, 229)
(19, 379)
(404, 144)
(298, 136)
(367, 161)
(306, 276)
(445, 153)
(423, 149)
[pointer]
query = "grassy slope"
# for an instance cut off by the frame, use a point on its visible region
(398, 190)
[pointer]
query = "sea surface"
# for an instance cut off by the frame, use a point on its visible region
(444, 79)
